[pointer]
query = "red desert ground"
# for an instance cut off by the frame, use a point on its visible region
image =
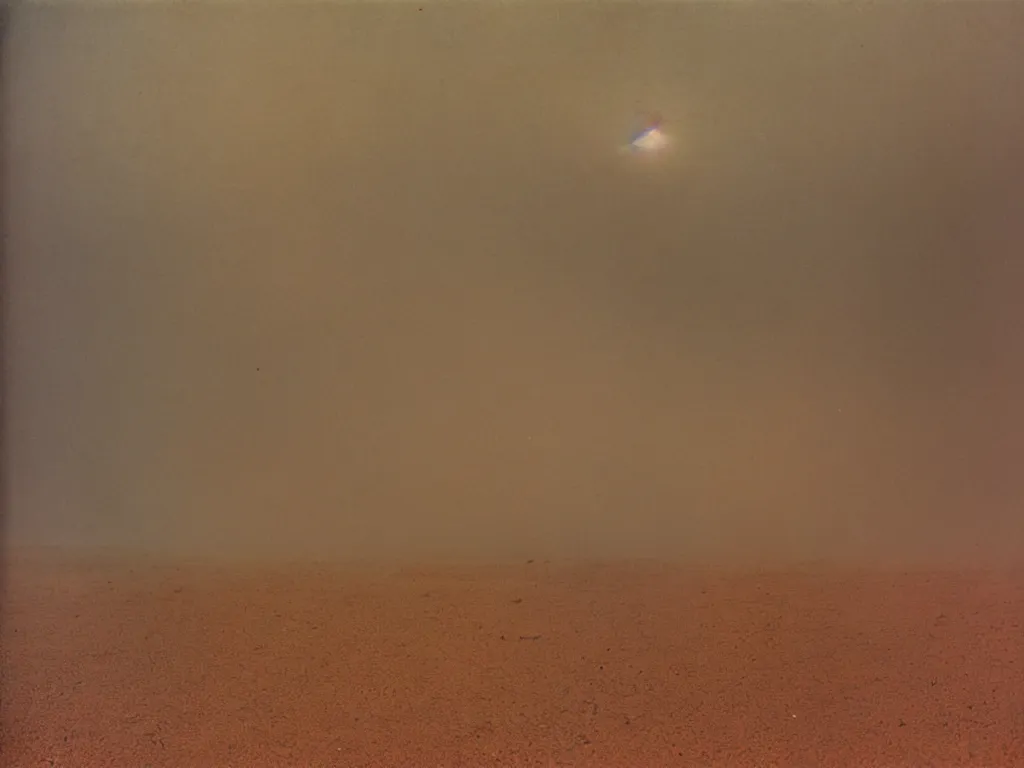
(117, 663)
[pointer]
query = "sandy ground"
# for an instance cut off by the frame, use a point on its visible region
(122, 664)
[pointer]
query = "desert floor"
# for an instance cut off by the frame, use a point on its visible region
(115, 663)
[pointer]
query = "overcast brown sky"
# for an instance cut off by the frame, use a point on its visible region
(375, 281)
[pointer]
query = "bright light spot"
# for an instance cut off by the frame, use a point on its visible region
(652, 140)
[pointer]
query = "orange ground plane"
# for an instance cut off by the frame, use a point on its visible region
(528, 665)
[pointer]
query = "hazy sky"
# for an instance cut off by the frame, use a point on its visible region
(375, 281)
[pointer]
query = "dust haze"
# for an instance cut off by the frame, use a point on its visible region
(373, 282)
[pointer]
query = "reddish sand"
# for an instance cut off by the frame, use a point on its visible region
(614, 665)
